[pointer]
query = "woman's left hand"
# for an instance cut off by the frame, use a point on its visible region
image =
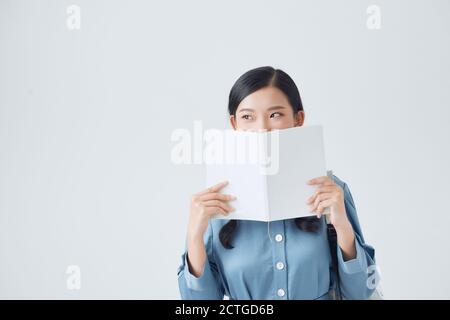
(328, 195)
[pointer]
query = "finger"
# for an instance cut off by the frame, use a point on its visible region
(212, 211)
(325, 180)
(323, 205)
(214, 188)
(216, 196)
(319, 198)
(218, 203)
(319, 191)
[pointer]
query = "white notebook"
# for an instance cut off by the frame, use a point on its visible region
(274, 186)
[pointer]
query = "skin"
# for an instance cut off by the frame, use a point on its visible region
(266, 109)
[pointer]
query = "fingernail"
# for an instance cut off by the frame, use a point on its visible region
(232, 197)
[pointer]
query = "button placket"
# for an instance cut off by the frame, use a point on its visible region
(279, 259)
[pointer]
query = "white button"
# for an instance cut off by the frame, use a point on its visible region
(280, 292)
(279, 238)
(280, 265)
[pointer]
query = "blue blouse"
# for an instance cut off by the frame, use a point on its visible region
(277, 261)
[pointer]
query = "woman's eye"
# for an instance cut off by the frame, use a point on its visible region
(276, 115)
(246, 117)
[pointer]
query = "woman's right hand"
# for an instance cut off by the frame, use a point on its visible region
(206, 204)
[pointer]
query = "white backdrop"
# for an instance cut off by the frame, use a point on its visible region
(86, 117)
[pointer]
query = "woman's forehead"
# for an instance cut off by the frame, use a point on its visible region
(263, 99)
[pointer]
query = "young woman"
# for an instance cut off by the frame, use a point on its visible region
(237, 258)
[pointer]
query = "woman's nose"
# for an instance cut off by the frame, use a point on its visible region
(264, 125)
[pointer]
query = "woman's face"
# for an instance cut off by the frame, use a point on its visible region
(266, 109)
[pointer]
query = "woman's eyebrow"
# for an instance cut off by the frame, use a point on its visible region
(269, 109)
(246, 109)
(276, 108)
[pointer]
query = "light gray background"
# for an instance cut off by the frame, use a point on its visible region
(86, 118)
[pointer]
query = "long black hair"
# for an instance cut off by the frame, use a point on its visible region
(248, 83)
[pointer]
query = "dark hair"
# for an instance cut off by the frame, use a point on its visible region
(248, 83)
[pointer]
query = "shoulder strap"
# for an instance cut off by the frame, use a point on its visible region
(332, 243)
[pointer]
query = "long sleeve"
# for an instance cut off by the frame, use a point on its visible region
(208, 285)
(354, 274)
